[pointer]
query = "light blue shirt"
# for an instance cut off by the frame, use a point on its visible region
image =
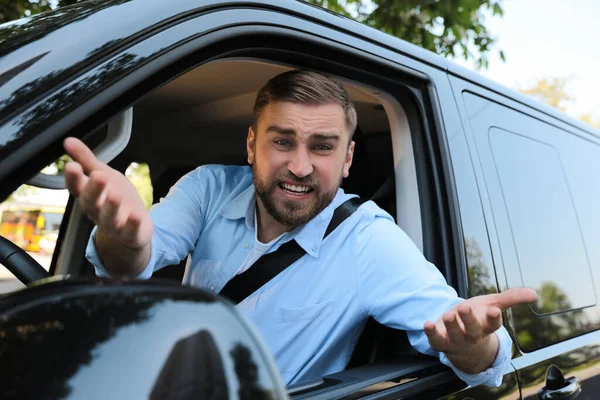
(311, 314)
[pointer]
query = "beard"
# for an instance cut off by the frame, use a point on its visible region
(290, 212)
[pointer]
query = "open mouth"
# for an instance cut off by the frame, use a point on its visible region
(297, 190)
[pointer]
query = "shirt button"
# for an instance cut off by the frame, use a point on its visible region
(212, 288)
(245, 245)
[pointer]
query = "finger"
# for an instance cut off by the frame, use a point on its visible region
(130, 230)
(82, 154)
(437, 336)
(93, 196)
(473, 328)
(452, 322)
(493, 317)
(75, 179)
(514, 296)
(430, 329)
(110, 215)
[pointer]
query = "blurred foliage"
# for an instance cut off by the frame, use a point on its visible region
(535, 332)
(554, 92)
(588, 119)
(61, 162)
(551, 91)
(447, 27)
(15, 9)
(22, 192)
(139, 176)
(480, 281)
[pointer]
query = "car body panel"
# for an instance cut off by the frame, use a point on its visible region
(568, 340)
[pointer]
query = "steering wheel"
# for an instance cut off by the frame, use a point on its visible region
(21, 264)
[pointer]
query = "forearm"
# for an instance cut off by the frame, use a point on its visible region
(477, 358)
(120, 260)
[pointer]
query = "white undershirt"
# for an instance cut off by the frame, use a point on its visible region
(258, 249)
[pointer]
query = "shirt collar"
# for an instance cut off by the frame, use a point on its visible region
(242, 206)
(308, 236)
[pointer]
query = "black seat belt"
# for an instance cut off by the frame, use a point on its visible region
(270, 265)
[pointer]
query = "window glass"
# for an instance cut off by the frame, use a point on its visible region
(480, 265)
(551, 253)
(538, 184)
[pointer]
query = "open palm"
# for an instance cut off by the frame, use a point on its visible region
(471, 322)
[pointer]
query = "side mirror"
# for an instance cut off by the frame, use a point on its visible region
(105, 339)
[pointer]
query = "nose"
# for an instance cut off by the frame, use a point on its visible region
(300, 165)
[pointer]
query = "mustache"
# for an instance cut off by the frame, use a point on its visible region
(307, 180)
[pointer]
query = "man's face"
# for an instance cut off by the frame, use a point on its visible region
(299, 155)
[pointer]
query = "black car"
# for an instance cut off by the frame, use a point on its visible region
(496, 190)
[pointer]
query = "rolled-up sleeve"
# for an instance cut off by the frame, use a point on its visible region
(399, 288)
(178, 221)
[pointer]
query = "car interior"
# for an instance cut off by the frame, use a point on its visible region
(202, 117)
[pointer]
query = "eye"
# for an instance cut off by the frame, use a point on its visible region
(323, 147)
(282, 142)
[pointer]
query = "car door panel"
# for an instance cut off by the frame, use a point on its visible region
(559, 329)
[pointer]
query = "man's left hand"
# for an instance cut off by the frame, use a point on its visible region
(465, 333)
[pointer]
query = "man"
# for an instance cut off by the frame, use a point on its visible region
(299, 149)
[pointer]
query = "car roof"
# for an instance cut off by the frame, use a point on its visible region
(39, 52)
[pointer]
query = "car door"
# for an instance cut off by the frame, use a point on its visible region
(534, 171)
(474, 268)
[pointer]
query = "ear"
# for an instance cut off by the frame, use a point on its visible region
(348, 160)
(251, 145)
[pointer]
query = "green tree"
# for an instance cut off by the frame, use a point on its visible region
(449, 27)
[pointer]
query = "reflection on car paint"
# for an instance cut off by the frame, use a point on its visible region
(146, 339)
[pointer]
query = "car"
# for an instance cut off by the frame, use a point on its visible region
(497, 190)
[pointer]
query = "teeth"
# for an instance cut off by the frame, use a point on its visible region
(293, 188)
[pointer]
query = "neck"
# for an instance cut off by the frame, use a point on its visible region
(267, 227)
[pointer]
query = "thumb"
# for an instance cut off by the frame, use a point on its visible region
(82, 154)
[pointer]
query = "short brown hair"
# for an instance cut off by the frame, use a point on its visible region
(306, 87)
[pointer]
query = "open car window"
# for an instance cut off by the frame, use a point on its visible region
(31, 218)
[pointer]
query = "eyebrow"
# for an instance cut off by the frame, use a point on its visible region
(290, 131)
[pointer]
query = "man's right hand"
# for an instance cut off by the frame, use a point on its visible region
(107, 197)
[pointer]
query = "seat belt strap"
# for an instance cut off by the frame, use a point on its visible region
(270, 265)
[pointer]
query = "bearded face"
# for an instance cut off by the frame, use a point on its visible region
(291, 200)
(299, 155)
